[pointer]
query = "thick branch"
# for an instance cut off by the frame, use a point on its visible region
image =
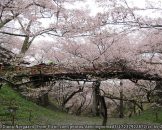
(7, 81)
(71, 95)
(13, 34)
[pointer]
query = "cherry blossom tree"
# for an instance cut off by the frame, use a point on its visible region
(121, 36)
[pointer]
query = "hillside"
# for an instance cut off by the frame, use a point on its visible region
(28, 113)
(39, 115)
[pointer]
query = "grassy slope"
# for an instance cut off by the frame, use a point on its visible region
(42, 115)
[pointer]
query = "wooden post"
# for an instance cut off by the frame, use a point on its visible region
(13, 119)
(30, 115)
(156, 114)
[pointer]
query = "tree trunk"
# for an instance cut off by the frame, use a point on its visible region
(103, 110)
(134, 108)
(1, 86)
(96, 96)
(28, 40)
(25, 45)
(158, 89)
(121, 107)
(44, 100)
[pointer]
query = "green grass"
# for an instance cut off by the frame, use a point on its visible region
(40, 115)
(149, 116)
(45, 116)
